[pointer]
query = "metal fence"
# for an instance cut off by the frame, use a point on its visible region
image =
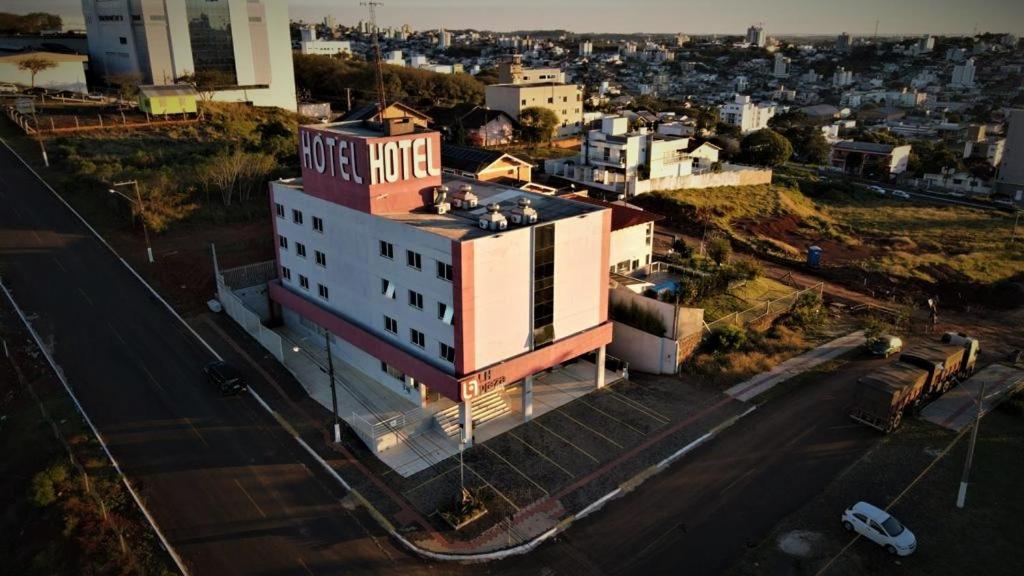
(769, 309)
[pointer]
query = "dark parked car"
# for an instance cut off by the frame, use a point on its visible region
(36, 91)
(226, 377)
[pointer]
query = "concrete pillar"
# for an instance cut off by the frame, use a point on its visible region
(599, 371)
(423, 395)
(528, 398)
(466, 420)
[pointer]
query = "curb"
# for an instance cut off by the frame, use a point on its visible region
(562, 525)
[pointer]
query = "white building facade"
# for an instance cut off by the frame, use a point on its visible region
(244, 44)
(747, 115)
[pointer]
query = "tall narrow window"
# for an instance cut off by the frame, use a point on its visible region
(296, 217)
(387, 250)
(318, 224)
(543, 284)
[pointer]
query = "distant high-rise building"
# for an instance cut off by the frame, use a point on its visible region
(682, 39)
(244, 45)
(586, 48)
(844, 42)
(963, 75)
(444, 39)
(781, 69)
(842, 77)
(330, 22)
(926, 44)
(741, 83)
(756, 36)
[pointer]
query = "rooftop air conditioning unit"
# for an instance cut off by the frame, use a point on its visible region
(465, 199)
(441, 204)
(523, 213)
(493, 219)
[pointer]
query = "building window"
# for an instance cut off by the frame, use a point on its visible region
(387, 250)
(543, 284)
(296, 216)
(650, 233)
(524, 102)
(300, 249)
(387, 288)
(391, 325)
(447, 352)
(444, 271)
(415, 299)
(413, 259)
(123, 40)
(322, 291)
(392, 371)
(282, 242)
(417, 338)
(445, 313)
(279, 208)
(321, 258)
(318, 224)
(551, 100)
(286, 273)
(303, 282)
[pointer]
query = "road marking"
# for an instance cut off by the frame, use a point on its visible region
(541, 454)
(623, 422)
(562, 412)
(429, 480)
(194, 429)
(86, 296)
(556, 435)
(514, 467)
(59, 265)
(249, 496)
(491, 486)
(736, 481)
(654, 414)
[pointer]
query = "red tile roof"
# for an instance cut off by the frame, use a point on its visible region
(622, 216)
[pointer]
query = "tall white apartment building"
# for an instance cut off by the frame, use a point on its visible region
(244, 44)
(842, 77)
(844, 42)
(756, 36)
(781, 68)
(747, 115)
(963, 75)
(586, 48)
(439, 291)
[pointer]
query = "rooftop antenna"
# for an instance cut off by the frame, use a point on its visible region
(876, 29)
(378, 65)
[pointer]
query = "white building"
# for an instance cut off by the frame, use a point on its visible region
(441, 296)
(781, 67)
(309, 44)
(741, 83)
(842, 77)
(747, 115)
(756, 36)
(925, 44)
(963, 75)
(586, 48)
(444, 39)
(244, 44)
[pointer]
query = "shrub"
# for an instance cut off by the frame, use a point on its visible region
(632, 314)
(47, 485)
(806, 312)
(719, 250)
(727, 338)
(748, 269)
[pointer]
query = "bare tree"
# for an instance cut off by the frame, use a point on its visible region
(34, 65)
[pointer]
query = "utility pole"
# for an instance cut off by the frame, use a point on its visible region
(348, 99)
(142, 211)
(961, 496)
(334, 392)
(1016, 221)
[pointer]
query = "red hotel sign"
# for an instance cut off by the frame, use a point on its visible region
(370, 173)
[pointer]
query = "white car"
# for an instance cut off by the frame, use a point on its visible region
(878, 526)
(877, 190)
(900, 194)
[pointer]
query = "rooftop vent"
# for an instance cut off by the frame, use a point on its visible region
(493, 219)
(464, 198)
(441, 204)
(523, 213)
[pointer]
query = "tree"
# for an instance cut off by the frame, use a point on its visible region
(538, 123)
(766, 148)
(34, 65)
(207, 82)
(719, 249)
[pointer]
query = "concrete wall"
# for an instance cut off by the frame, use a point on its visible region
(644, 352)
(687, 320)
(630, 244)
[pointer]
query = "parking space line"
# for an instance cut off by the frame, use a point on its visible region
(624, 423)
(516, 468)
(491, 486)
(85, 296)
(541, 454)
(59, 265)
(429, 480)
(249, 496)
(654, 414)
(557, 435)
(562, 412)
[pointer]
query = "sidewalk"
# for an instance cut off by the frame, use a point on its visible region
(534, 479)
(765, 381)
(957, 408)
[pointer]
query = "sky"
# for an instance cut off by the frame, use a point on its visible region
(896, 17)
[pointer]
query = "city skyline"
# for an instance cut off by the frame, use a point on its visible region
(780, 17)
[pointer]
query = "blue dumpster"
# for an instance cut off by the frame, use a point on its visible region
(814, 257)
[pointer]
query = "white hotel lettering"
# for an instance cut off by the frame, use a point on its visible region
(392, 161)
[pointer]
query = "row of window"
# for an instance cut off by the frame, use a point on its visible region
(445, 313)
(300, 251)
(419, 339)
(321, 290)
(415, 260)
(297, 217)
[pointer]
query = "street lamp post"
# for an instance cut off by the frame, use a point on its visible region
(142, 213)
(334, 392)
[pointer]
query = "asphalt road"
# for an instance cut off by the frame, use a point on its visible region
(235, 495)
(231, 490)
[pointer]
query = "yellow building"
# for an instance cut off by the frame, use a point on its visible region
(172, 99)
(565, 100)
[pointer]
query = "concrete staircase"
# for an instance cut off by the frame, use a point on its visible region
(485, 408)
